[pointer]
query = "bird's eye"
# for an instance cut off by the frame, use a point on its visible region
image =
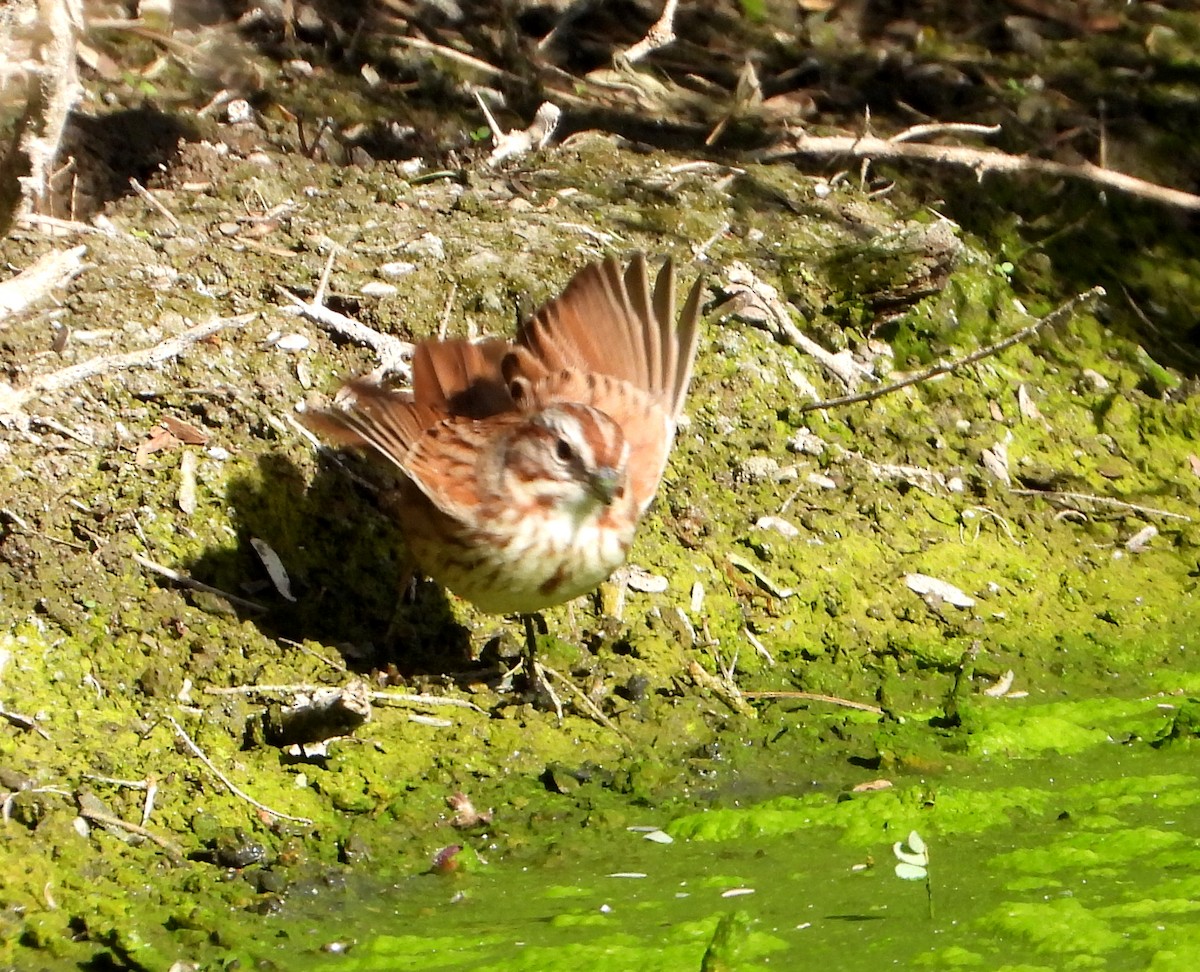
(563, 450)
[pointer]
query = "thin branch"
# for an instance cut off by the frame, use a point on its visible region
(50, 270)
(815, 697)
(760, 303)
(393, 354)
(13, 400)
(451, 54)
(917, 133)
(90, 809)
(307, 689)
(63, 226)
(22, 721)
(154, 204)
(183, 580)
(240, 794)
(1059, 314)
(589, 706)
(979, 161)
(1067, 498)
(660, 34)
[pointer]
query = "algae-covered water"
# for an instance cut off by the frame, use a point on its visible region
(1051, 488)
(1075, 850)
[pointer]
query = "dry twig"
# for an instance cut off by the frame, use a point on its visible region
(1076, 500)
(307, 689)
(240, 794)
(815, 697)
(1059, 314)
(660, 34)
(760, 302)
(153, 202)
(980, 161)
(54, 90)
(589, 706)
(13, 400)
(394, 355)
(183, 580)
(91, 809)
(50, 270)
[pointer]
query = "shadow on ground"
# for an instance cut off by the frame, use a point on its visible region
(347, 568)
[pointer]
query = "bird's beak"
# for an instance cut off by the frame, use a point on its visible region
(603, 484)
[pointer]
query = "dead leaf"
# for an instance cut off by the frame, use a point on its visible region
(1141, 540)
(161, 438)
(187, 483)
(995, 461)
(928, 586)
(872, 785)
(1026, 404)
(184, 431)
(275, 568)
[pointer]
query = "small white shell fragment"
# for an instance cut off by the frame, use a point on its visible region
(641, 580)
(274, 566)
(697, 597)
(81, 827)
(778, 524)
(1026, 404)
(370, 75)
(1001, 687)
(995, 461)
(757, 469)
(292, 342)
(737, 892)
(377, 288)
(806, 442)
(428, 246)
(397, 268)
(821, 481)
(659, 837)
(923, 584)
(219, 453)
(674, 617)
(427, 720)
(1141, 540)
(238, 111)
(627, 874)
(187, 482)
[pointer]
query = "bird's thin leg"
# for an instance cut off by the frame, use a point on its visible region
(537, 675)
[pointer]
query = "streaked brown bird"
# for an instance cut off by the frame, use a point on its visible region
(527, 464)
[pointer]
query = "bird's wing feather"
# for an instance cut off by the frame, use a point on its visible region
(461, 377)
(610, 323)
(422, 442)
(611, 342)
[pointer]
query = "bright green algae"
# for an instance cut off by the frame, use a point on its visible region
(100, 652)
(1080, 862)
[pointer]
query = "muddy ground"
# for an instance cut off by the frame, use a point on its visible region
(1052, 485)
